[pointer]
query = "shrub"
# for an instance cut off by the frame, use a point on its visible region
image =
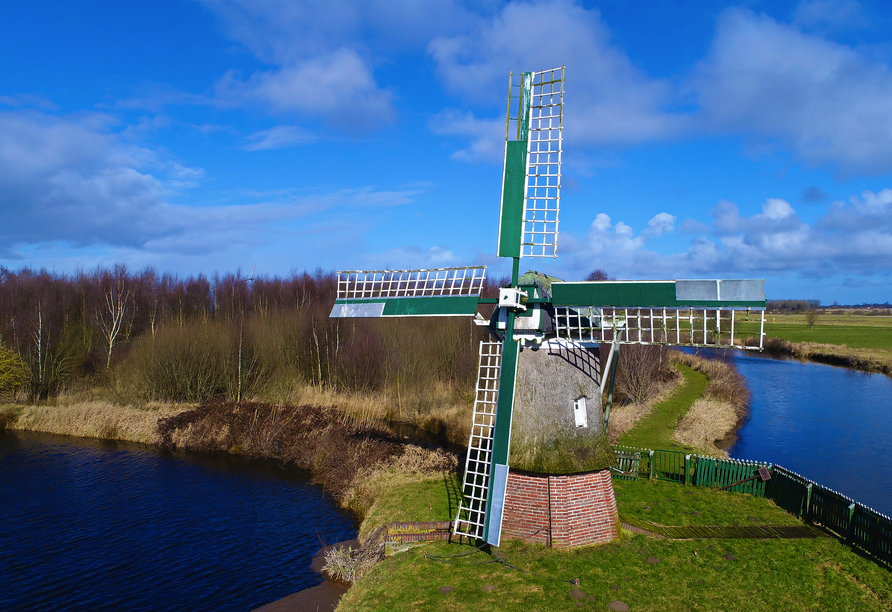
(348, 565)
(181, 363)
(13, 374)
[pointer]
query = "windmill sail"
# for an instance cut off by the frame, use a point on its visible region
(471, 520)
(531, 192)
(534, 308)
(440, 292)
(698, 313)
(541, 204)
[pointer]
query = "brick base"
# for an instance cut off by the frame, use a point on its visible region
(560, 511)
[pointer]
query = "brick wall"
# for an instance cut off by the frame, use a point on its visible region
(560, 511)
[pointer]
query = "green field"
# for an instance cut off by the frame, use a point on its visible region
(851, 330)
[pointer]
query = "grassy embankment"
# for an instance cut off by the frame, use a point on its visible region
(697, 412)
(731, 574)
(718, 574)
(851, 340)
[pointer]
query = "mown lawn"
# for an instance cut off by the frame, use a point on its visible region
(668, 503)
(428, 499)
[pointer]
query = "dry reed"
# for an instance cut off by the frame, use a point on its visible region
(94, 420)
(706, 424)
(726, 384)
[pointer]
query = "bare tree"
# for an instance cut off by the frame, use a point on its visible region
(811, 316)
(599, 274)
(111, 314)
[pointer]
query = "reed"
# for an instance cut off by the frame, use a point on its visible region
(94, 420)
(706, 424)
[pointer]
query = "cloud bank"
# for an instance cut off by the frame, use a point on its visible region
(851, 238)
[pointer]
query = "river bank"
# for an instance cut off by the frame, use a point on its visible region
(872, 360)
(699, 409)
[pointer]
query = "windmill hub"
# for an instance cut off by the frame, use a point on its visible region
(512, 297)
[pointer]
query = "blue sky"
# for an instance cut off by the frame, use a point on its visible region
(702, 139)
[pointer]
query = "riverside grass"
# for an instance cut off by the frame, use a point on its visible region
(644, 573)
(704, 407)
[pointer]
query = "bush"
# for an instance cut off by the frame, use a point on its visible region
(13, 375)
(181, 363)
(640, 370)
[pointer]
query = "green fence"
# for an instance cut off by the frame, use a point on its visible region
(872, 532)
(789, 491)
(736, 475)
(852, 522)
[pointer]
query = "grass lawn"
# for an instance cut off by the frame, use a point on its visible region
(655, 430)
(668, 503)
(645, 573)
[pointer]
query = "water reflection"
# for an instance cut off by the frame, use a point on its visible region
(94, 526)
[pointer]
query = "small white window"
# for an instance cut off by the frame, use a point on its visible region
(580, 413)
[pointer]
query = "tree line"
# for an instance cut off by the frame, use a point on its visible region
(165, 337)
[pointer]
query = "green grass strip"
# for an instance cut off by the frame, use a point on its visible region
(655, 430)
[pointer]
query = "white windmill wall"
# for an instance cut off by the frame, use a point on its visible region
(546, 435)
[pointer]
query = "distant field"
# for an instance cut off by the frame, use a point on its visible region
(855, 331)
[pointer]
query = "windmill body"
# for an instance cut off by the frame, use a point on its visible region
(538, 396)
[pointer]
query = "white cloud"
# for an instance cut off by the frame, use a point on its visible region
(73, 180)
(772, 83)
(415, 257)
(611, 101)
(487, 135)
(662, 223)
(830, 14)
(284, 31)
(338, 87)
(279, 137)
(324, 53)
(769, 81)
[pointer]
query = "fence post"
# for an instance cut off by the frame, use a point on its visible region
(687, 469)
(806, 514)
(850, 528)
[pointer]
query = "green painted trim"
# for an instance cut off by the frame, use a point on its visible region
(513, 184)
(634, 294)
(614, 294)
(505, 406)
(501, 443)
(444, 306)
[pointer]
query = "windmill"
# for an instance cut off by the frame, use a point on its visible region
(539, 321)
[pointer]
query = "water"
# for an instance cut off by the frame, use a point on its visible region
(829, 424)
(109, 526)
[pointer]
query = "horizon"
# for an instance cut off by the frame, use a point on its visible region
(719, 140)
